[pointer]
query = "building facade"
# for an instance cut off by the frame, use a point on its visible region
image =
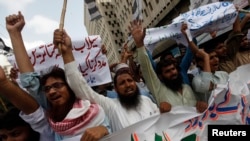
(116, 17)
(5, 64)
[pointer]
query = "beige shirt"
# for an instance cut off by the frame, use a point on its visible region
(243, 57)
(227, 65)
(158, 89)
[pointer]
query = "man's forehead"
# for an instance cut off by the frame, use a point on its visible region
(124, 75)
(169, 67)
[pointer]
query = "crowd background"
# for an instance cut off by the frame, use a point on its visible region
(141, 87)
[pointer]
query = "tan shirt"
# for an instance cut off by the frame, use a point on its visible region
(158, 89)
(243, 57)
(227, 65)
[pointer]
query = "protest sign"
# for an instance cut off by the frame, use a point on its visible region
(207, 18)
(92, 63)
(197, 3)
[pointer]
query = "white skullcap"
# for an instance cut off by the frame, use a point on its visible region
(120, 66)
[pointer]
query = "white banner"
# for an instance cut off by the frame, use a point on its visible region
(228, 105)
(207, 18)
(197, 3)
(92, 63)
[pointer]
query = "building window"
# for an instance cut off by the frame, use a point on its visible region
(127, 2)
(150, 6)
(146, 4)
(145, 12)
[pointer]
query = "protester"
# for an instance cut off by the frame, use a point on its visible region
(14, 128)
(129, 108)
(140, 83)
(238, 48)
(168, 89)
(21, 100)
(232, 49)
(183, 62)
(209, 77)
(237, 43)
(127, 61)
(225, 62)
(65, 116)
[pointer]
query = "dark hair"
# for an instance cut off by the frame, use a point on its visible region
(11, 119)
(163, 56)
(55, 72)
(208, 50)
(233, 43)
(210, 45)
(164, 63)
(120, 72)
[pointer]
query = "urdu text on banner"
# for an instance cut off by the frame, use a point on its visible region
(207, 18)
(92, 63)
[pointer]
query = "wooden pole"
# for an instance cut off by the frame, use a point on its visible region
(61, 25)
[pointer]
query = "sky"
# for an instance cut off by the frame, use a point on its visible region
(42, 17)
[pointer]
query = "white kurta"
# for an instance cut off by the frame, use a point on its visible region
(118, 115)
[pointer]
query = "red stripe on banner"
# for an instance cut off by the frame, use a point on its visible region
(166, 136)
(197, 138)
(136, 138)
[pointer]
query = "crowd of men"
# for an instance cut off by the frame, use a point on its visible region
(60, 105)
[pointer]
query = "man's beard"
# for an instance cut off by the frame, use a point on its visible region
(174, 84)
(131, 101)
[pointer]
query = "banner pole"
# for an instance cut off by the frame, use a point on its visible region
(61, 25)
